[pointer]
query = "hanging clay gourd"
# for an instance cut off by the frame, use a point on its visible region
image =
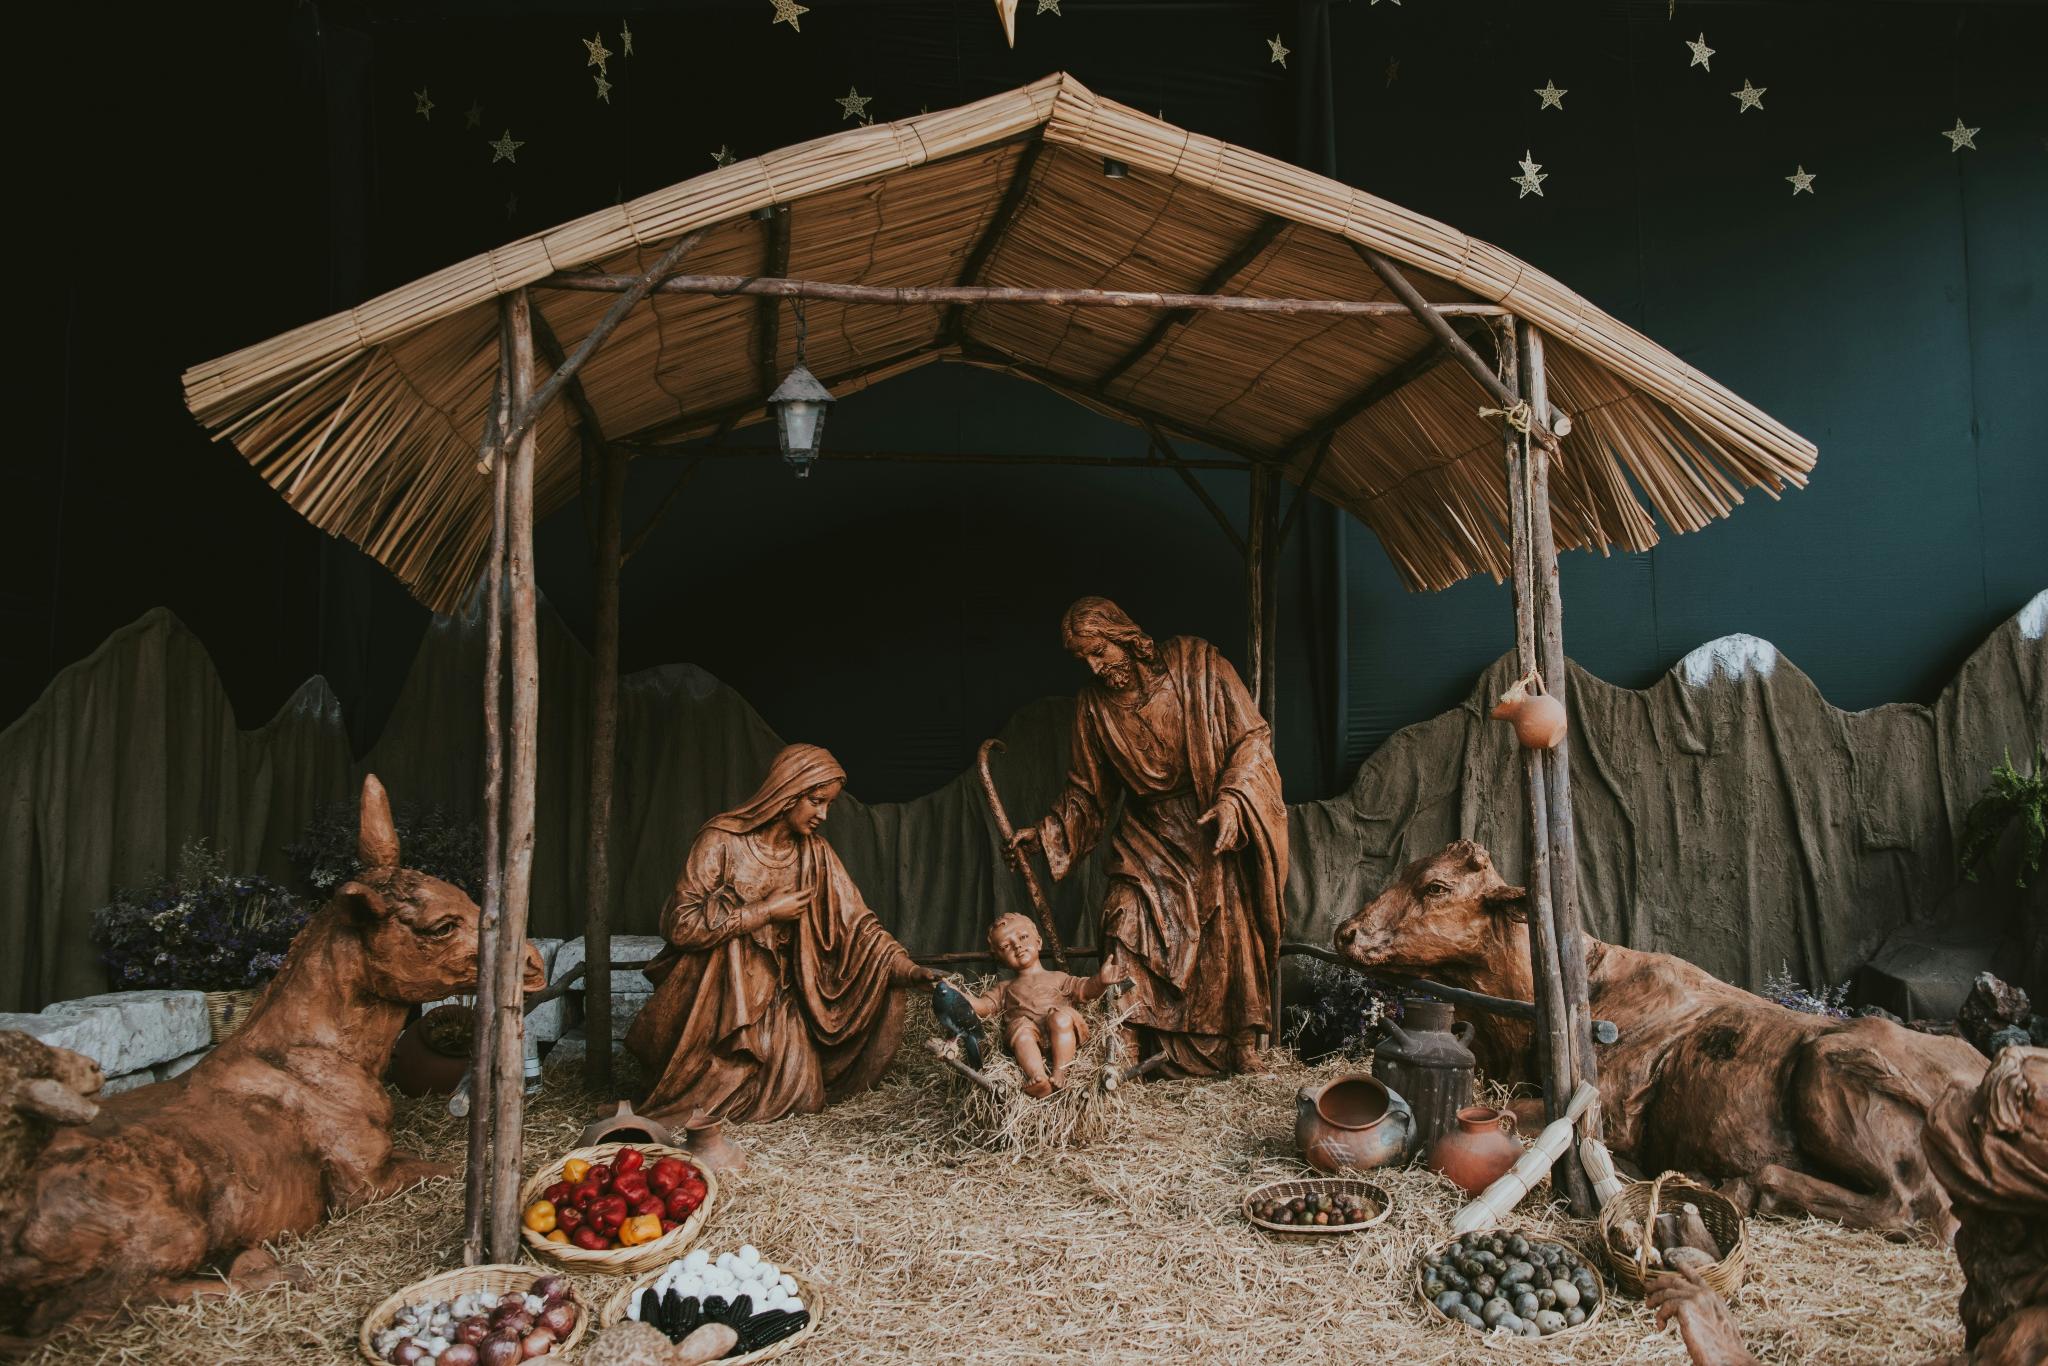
(1538, 718)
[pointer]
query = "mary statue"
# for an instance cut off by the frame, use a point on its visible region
(779, 992)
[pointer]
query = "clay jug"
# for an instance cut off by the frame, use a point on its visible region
(1353, 1123)
(707, 1143)
(432, 1055)
(1479, 1151)
(1538, 718)
(1424, 1059)
(623, 1126)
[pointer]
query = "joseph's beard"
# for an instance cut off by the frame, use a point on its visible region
(1119, 677)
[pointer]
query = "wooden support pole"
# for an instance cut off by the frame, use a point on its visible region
(508, 1080)
(1180, 467)
(476, 1191)
(604, 746)
(1553, 1021)
(1262, 575)
(953, 1064)
(1557, 766)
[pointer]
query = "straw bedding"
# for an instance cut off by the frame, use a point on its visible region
(1130, 1251)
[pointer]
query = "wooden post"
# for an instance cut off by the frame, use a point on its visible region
(604, 744)
(1557, 766)
(483, 1052)
(508, 1079)
(1262, 593)
(1553, 1019)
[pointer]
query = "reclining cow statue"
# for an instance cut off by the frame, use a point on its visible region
(286, 1120)
(1788, 1111)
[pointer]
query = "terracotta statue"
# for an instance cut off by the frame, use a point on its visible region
(1791, 1111)
(779, 992)
(1198, 864)
(41, 1088)
(1038, 1011)
(284, 1121)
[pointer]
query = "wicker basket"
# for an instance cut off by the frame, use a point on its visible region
(622, 1298)
(225, 1011)
(618, 1261)
(1328, 1185)
(1641, 1201)
(450, 1284)
(1591, 1264)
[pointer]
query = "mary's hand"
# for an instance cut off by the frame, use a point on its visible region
(784, 905)
(1229, 832)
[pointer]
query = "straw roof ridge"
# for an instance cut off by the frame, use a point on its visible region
(363, 420)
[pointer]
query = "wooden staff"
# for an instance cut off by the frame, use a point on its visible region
(953, 1064)
(1038, 898)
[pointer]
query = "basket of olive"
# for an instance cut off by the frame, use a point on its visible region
(1527, 1284)
(1334, 1204)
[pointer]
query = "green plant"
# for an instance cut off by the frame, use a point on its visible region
(2011, 798)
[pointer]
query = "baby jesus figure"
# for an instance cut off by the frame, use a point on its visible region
(1038, 1007)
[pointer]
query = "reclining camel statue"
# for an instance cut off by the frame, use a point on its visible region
(1788, 1111)
(286, 1120)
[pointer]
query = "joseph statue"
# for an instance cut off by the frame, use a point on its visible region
(1198, 865)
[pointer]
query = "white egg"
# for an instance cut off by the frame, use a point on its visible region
(697, 1259)
(749, 1253)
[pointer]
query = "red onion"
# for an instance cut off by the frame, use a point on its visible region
(500, 1349)
(407, 1352)
(538, 1343)
(472, 1330)
(459, 1354)
(550, 1288)
(512, 1317)
(559, 1318)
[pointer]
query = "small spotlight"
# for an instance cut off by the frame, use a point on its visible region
(1114, 169)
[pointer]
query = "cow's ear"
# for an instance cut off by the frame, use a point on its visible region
(1511, 901)
(363, 902)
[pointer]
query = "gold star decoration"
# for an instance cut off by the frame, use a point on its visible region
(1552, 97)
(1279, 51)
(474, 117)
(422, 106)
(625, 39)
(1960, 137)
(786, 12)
(1051, 7)
(1802, 181)
(855, 105)
(723, 156)
(1700, 52)
(1531, 179)
(604, 87)
(1752, 97)
(599, 54)
(505, 149)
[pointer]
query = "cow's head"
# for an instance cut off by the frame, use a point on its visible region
(418, 932)
(1450, 910)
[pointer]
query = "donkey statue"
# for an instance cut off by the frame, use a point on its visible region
(283, 1122)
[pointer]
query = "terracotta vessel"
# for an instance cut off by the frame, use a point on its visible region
(1352, 1124)
(623, 1126)
(417, 1067)
(708, 1144)
(1479, 1151)
(1538, 718)
(1424, 1059)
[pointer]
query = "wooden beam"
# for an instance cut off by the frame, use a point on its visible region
(606, 560)
(1219, 279)
(1172, 458)
(768, 308)
(1305, 488)
(1434, 317)
(954, 329)
(922, 296)
(686, 451)
(550, 348)
(633, 289)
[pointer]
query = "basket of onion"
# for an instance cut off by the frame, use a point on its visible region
(475, 1316)
(616, 1207)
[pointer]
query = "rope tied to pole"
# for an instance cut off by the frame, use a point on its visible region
(1521, 417)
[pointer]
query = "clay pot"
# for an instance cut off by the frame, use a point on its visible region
(417, 1066)
(623, 1126)
(708, 1144)
(1538, 718)
(1479, 1151)
(1354, 1123)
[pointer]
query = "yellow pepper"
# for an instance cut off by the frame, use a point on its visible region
(641, 1228)
(557, 1236)
(540, 1217)
(573, 1170)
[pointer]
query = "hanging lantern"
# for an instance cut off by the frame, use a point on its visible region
(799, 404)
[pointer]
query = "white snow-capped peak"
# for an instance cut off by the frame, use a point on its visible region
(1729, 657)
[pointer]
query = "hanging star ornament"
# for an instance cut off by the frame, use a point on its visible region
(1552, 97)
(422, 106)
(1700, 52)
(599, 54)
(625, 39)
(505, 149)
(1279, 51)
(855, 105)
(474, 116)
(1751, 97)
(723, 156)
(1802, 181)
(604, 88)
(1051, 7)
(786, 12)
(1960, 137)
(1532, 177)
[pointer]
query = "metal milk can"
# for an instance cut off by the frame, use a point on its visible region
(1425, 1059)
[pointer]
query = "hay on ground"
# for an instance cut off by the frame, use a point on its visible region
(1008, 1121)
(1125, 1251)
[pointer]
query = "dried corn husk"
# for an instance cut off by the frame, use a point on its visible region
(1504, 1194)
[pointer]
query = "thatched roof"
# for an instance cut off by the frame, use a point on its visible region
(369, 421)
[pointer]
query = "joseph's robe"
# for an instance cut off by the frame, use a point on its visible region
(1197, 931)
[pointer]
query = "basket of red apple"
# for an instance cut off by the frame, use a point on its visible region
(617, 1207)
